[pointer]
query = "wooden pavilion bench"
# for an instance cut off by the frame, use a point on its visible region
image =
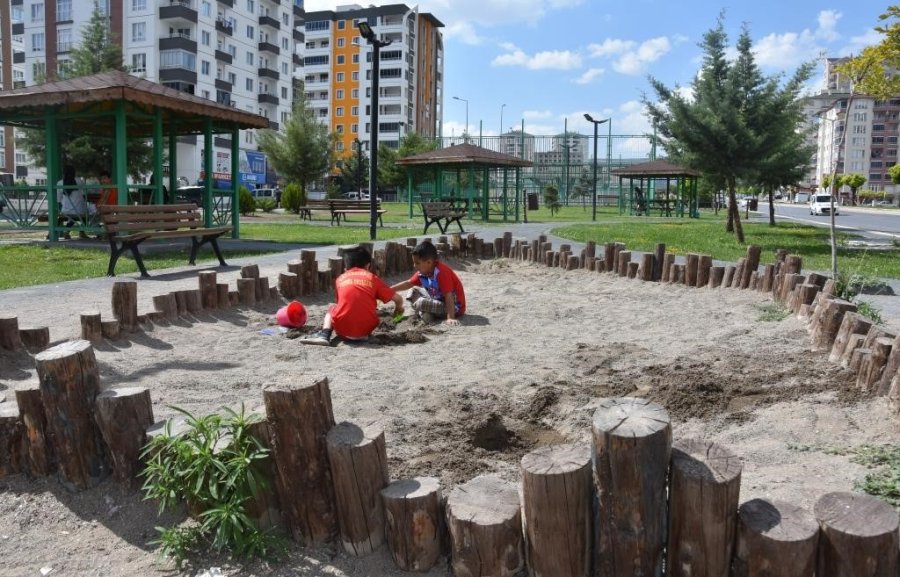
(443, 214)
(128, 226)
(311, 205)
(342, 208)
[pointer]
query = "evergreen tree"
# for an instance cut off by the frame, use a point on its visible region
(389, 173)
(98, 50)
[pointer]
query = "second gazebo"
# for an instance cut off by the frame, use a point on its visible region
(658, 185)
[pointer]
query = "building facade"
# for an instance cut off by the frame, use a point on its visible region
(237, 52)
(337, 73)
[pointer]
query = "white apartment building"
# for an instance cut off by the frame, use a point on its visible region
(237, 52)
(517, 143)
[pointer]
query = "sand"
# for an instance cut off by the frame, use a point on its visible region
(526, 368)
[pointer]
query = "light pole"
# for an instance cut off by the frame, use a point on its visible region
(366, 32)
(467, 116)
(596, 124)
(502, 106)
(358, 144)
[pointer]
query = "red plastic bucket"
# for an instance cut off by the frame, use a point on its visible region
(292, 315)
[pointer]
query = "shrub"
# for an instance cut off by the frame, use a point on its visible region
(293, 198)
(246, 202)
(551, 198)
(266, 204)
(215, 467)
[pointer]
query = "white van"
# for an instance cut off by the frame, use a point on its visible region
(801, 198)
(264, 194)
(820, 204)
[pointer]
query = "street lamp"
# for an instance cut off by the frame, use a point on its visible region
(596, 123)
(502, 106)
(358, 144)
(467, 115)
(366, 32)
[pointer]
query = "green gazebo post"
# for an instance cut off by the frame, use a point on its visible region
(235, 172)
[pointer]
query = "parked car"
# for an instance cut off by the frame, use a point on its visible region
(194, 194)
(272, 194)
(820, 204)
(801, 198)
(354, 195)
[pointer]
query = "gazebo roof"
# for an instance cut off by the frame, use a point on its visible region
(96, 95)
(653, 169)
(464, 155)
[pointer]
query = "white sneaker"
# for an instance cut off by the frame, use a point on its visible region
(321, 338)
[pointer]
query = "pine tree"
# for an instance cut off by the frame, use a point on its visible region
(98, 50)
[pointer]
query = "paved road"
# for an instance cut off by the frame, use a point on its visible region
(878, 223)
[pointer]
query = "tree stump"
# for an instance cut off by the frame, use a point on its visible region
(38, 454)
(668, 261)
(703, 270)
(192, 301)
(624, 259)
(209, 294)
(222, 295)
(124, 304)
(123, 416)
(659, 255)
(632, 446)
(572, 262)
(788, 284)
(775, 539)
(12, 441)
(754, 280)
(804, 295)
(793, 264)
(234, 297)
(829, 322)
(557, 494)
(729, 276)
(738, 273)
(90, 326)
(705, 484)
(852, 323)
(647, 267)
(870, 370)
(691, 268)
(853, 343)
(633, 269)
(300, 418)
(336, 267)
(590, 251)
(110, 329)
(9, 333)
(264, 506)
(498, 247)
(485, 526)
(507, 243)
(247, 291)
(288, 284)
(414, 522)
(250, 271)
(35, 339)
(751, 264)
(859, 536)
(716, 276)
(768, 278)
(70, 383)
(262, 289)
(609, 255)
(167, 305)
(359, 470)
(890, 368)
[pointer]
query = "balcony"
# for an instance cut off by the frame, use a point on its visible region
(221, 142)
(273, 125)
(178, 9)
(223, 85)
(299, 36)
(63, 47)
(224, 26)
(266, 98)
(298, 60)
(178, 43)
(18, 28)
(268, 73)
(18, 58)
(229, 3)
(269, 47)
(223, 56)
(269, 21)
(177, 75)
(298, 10)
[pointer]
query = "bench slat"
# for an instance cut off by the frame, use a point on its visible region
(144, 208)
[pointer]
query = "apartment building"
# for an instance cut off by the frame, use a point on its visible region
(12, 75)
(236, 52)
(337, 73)
(517, 143)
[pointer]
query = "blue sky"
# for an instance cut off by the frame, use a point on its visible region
(548, 60)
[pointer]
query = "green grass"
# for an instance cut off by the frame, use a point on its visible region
(772, 312)
(295, 232)
(884, 480)
(707, 235)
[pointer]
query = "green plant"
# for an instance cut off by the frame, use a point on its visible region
(870, 311)
(293, 198)
(266, 204)
(551, 198)
(772, 312)
(246, 202)
(214, 466)
(884, 482)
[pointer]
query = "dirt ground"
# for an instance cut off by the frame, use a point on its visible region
(526, 368)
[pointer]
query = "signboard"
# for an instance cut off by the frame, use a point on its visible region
(251, 164)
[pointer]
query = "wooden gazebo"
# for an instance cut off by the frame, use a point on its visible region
(680, 190)
(468, 159)
(120, 106)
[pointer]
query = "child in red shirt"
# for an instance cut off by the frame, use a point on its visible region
(437, 290)
(354, 315)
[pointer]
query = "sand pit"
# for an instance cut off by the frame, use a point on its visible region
(526, 369)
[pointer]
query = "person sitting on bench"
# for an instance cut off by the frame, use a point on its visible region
(73, 206)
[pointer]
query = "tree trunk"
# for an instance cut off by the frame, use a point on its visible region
(123, 416)
(775, 539)
(124, 304)
(414, 522)
(734, 215)
(771, 207)
(859, 536)
(39, 453)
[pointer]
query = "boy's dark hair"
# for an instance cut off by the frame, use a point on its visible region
(107, 174)
(425, 251)
(357, 257)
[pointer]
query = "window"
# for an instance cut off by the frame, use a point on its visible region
(285, 44)
(177, 59)
(339, 111)
(340, 59)
(285, 19)
(339, 146)
(232, 78)
(354, 111)
(63, 68)
(139, 62)
(316, 60)
(339, 77)
(138, 5)
(284, 92)
(284, 67)
(63, 39)
(355, 75)
(39, 70)
(204, 68)
(354, 128)
(356, 58)
(138, 31)
(250, 58)
(340, 42)
(251, 32)
(342, 24)
(37, 12)
(339, 129)
(64, 10)
(204, 37)
(860, 116)
(878, 128)
(232, 50)
(354, 93)
(205, 8)
(318, 25)
(251, 6)
(339, 94)
(37, 42)
(859, 129)
(249, 85)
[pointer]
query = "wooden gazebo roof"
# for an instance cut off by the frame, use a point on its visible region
(654, 169)
(464, 155)
(96, 94)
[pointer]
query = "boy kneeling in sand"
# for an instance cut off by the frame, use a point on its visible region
(436, 291)
(354, 315)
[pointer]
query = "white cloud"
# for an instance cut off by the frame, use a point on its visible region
(828, 20)
(869, 38)
(546, 60)
(609, 47)
(462, 31)
(589, 76)
(537, 114)
(790, 49)
(635, 61)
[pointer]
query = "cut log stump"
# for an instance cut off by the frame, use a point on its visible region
(123, 416)
(859, 536)
(91, 329)
(209, 294)
(414, 522)
(38, 456)
(110, 329)
(852, 323)
(124, 304)
(9, 333)
(35, 339)
(12, 440)
(775, 539)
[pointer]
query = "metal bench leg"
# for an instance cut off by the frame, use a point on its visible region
(459, 224)
(215, 246)
(114, 252)
(138, 259)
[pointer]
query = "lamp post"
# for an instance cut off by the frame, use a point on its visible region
(596, 124)
(466, 133)
(358, 144)
(502, 106)
(366, 32)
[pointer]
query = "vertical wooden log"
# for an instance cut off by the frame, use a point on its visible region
(287, 285)
(573, 262)
(624, 259)
(894, 393)
(335, 267)
(35, 339)
(414, 522)
(234, 297)
(750, 265)
(703, 497)
(300, 418)
(262, 289)
(90, 326)
(859, 536)
(209, 294)
(498, 247)
(324, 282)
(123, 416)
(38, 457)
(647, 267)
(617, 248)
(692, 266)
(264, 507)
(309, 283)
(673, 272)
(871, 369)
(247, 291)
(793, 264)
(609, 256)
(890, 368)
(703, 270)
(9, 333)
(590, 251)
(775, 539)
(556, 483)
(853, 343)
(754, 280)
(359, 469)
(738, 273)
(804, 295)
(600, 265)
(192, 301)
(788, 283)
(632, 445)
(633, 269)
(180, 303)
(250, 271)
(222, 295)
(507, 244)
(768, 277)
(165, 304)
(70, 383)
(729, 276)
(12, 440)
(659, 258)
(852, 323)
(124, 304)
(110, 330)
(485, 525)
(829, 322)
(716, 276)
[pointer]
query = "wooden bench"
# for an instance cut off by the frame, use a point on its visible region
(342, 208)
(128, 226)
(311, 205)
(443, 214)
